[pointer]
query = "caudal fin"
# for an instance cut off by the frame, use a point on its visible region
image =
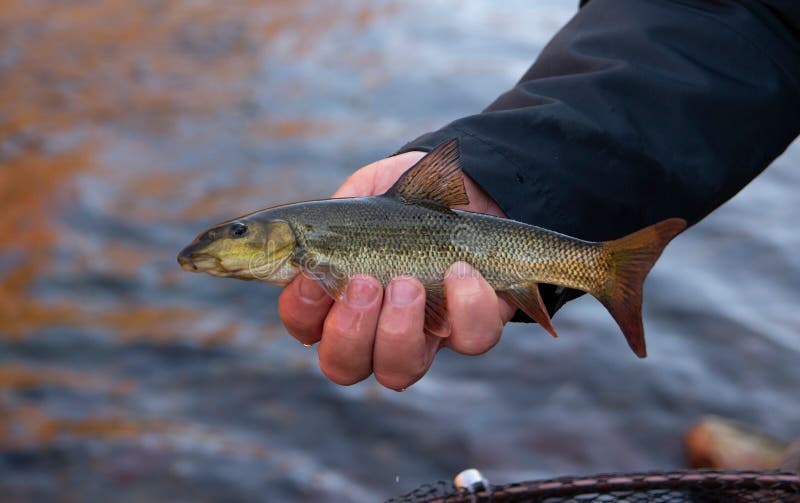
(630, 259)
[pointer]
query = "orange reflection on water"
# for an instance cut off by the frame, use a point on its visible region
(103, 108)
(30, 186)
(20, 377)
(26, 426)
(31, 427)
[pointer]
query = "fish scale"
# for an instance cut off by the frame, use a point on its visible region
(385, 238)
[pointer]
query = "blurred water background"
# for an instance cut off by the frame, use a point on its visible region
(128, 126)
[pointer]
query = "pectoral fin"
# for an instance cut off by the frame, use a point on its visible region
(329, 277)
(436, 178)
(436, 311)
(527, 298)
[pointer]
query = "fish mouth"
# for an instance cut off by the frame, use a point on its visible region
(193, 261)
(203, 262)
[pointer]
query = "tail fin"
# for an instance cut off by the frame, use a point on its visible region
(630, 259)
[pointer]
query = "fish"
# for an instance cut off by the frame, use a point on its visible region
(412, 229)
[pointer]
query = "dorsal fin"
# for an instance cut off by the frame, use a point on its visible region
(435, 178)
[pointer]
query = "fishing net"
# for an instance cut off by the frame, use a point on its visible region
(674, 487)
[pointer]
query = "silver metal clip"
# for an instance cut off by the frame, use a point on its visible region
(471, 480)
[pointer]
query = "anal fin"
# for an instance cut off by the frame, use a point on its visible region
(527, 298)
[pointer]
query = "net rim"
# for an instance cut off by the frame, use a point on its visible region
(563, 487)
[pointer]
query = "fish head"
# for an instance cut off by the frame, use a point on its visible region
(245, 248)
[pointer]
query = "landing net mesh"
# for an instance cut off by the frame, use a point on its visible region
(704, 486)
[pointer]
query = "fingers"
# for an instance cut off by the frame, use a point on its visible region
(403, 353)
(369, 331)
(474, 311)
(362, 335)
(366, 333)
(303, 306)
(345, 352)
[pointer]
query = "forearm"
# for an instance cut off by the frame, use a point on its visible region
(637, 111)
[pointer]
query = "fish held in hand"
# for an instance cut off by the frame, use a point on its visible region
(413, 230)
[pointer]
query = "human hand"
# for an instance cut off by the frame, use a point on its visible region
(380, 332)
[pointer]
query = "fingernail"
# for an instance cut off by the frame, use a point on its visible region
(361, 292)
(402, 292)
(310, 291)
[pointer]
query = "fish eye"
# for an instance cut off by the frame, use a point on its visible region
(238, 229)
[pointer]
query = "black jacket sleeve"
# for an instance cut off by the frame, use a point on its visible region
(637, 111)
